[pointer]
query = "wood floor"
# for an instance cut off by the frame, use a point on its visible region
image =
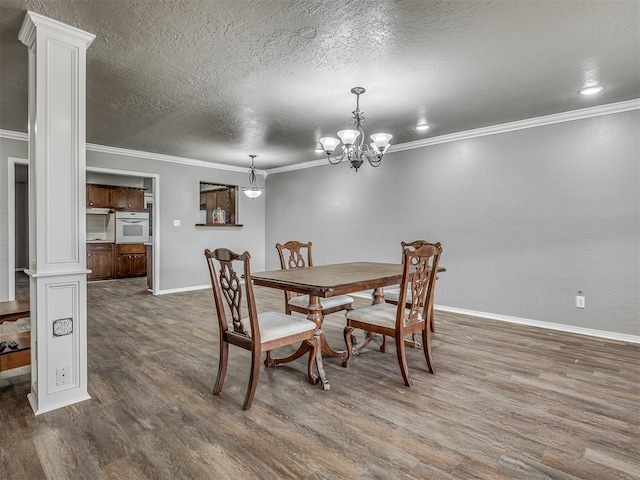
(506, 402)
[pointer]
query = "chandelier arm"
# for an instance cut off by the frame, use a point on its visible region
(376, 162)
(336, 158)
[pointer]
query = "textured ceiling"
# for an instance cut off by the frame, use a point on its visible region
(217, 80)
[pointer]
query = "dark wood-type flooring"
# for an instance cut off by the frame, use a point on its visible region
(507, 402)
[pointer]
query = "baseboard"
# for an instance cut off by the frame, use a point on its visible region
(622, 337)
(183, 289)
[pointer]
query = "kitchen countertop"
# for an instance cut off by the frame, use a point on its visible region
(99, 241)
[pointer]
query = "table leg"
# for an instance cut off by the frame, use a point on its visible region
(378, 296)
(319, 364)
(316, 316)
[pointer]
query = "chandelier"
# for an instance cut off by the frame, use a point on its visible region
(353, 150)
(253, 190)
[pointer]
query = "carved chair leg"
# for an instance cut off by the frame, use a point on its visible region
(426, 345)
(312, 347)
(268, 361)
(402, 360)
(222, 367)
(348, 340)
(384, 348)
(253, 380)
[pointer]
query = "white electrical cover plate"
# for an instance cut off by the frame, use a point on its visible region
(61, 327)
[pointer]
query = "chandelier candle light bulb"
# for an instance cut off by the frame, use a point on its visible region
(353, 150)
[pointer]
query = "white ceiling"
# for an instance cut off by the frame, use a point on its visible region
(217, 80)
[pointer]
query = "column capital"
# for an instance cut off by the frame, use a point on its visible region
(34, 21)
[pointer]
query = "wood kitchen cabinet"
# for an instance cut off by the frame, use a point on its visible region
(125, 197)
(100, 261)
(131, 260)
(98, 196)
(224, 197)
(109, 196)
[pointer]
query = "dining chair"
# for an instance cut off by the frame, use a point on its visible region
(398, 321)
(294, 254)
(392, 295)
(258, 332)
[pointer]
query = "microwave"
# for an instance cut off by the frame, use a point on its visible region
(132, 227)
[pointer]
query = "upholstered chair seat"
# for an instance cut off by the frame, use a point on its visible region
(276, 325)
(381, 314)
(302, 302)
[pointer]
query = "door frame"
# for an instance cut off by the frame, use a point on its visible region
(155, 244)
(11, 221)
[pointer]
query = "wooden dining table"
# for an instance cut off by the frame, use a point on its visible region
(325, 281)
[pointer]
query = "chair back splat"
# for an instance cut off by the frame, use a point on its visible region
(392, 296)
(257, 333)
(294, 254)
(418, 282)
(227, 289)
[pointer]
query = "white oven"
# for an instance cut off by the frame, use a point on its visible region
(132, 227)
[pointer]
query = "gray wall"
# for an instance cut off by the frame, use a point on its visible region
(527, 218)
(181, 250)
(182, 262)
(8, 148)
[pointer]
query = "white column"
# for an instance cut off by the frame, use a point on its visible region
(57, 260)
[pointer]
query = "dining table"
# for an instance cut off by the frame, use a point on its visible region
(325, 281)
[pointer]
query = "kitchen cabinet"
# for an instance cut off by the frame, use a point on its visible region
(110, 196)
(100, 261)
(220, 196)
(131, 260)
(98, 196)
(124, 197)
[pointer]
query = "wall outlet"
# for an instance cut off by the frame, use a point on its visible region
(580, 301)
(63, 376)
(176, 223)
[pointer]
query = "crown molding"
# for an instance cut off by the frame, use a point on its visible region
(298, 166)
(580, 114)
(168, 158)
(11, 135)
(32, 21)
(572, 115)
(140, 154)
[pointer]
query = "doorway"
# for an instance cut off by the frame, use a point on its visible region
(16, 169)
(18, 223)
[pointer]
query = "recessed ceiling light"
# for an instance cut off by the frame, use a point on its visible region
(423, 126)
(591, 90)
